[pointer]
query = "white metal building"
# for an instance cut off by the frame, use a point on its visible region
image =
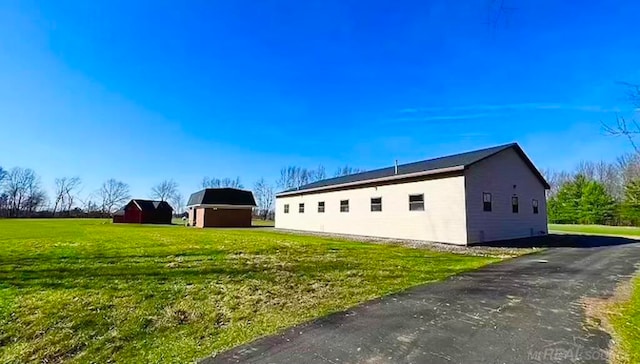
(479, 196)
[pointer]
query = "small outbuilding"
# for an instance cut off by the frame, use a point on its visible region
(469, 198)
(118, 216)
(221, 207)
(144, 212)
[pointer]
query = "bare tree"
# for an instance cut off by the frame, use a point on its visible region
(65, 192)
(112, 194)
(556, 179)
(265, 196)
(165, 190)
(233, 183)
(587, 169)
(293, 177)
(318, 174)
(611, 178)
(212, 182)
(177, 200)
(89, 205)
(629, 129)
(36, 199)
(4, 205)
(629, 167)
(346, 170)
(23, 192)
(4, 198)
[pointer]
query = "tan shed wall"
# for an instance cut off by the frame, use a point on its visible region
(497, 175)
(221, 217)
(442, 221)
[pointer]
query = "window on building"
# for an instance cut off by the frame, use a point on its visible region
(286, 208)
(344, 205)
(535, 206)
(514, 204)
(376, 204)
(486, 201)
(321, 206)
(301, 208)
(416, 202)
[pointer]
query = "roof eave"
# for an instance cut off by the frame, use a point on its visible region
(524, 157)
(374, 180)
(205, 205)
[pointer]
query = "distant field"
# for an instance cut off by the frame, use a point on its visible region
(596, 229)
(91, 291)
(263, 223)
(255, 222)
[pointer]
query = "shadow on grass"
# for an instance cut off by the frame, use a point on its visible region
(91, 272)
(561, 241)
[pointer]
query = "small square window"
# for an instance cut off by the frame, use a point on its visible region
(416, 202)
(514, 204)
(301, 208)
(321, 206)
(486, 202)
(376, 204)
(344, 205)
(534, 203)
(286, 208)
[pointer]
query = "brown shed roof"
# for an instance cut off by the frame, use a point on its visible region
(222, 196)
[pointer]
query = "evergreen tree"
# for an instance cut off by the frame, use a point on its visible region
(596, 205)
(582, 201)
(564, 207)
(630, 209)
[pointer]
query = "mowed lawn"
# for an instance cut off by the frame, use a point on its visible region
(91, 291)
(625, 319)
(629, 231)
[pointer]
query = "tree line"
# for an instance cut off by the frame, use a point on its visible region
(22, 193)
(592, 193)
(596, 193)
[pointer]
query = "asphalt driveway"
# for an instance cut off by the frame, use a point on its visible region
(526, 310)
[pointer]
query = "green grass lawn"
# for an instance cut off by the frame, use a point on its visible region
(263, 222)
(625, 320)
(91, 291)
(596, 229)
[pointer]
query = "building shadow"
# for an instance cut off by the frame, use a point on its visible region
(561, 241)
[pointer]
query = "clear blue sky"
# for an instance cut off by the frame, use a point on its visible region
(145, 90)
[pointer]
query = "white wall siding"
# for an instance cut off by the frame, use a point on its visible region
(498, 175)
(442, 221)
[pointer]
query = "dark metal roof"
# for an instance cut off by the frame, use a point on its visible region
(457, 160)
(222, 196)
(149, 205)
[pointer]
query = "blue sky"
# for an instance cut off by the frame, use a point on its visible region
(145, 91)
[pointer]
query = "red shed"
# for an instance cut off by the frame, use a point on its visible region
(145, 212)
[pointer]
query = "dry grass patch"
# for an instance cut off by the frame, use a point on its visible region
(619, 315)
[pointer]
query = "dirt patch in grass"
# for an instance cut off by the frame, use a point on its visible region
(608, 314)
